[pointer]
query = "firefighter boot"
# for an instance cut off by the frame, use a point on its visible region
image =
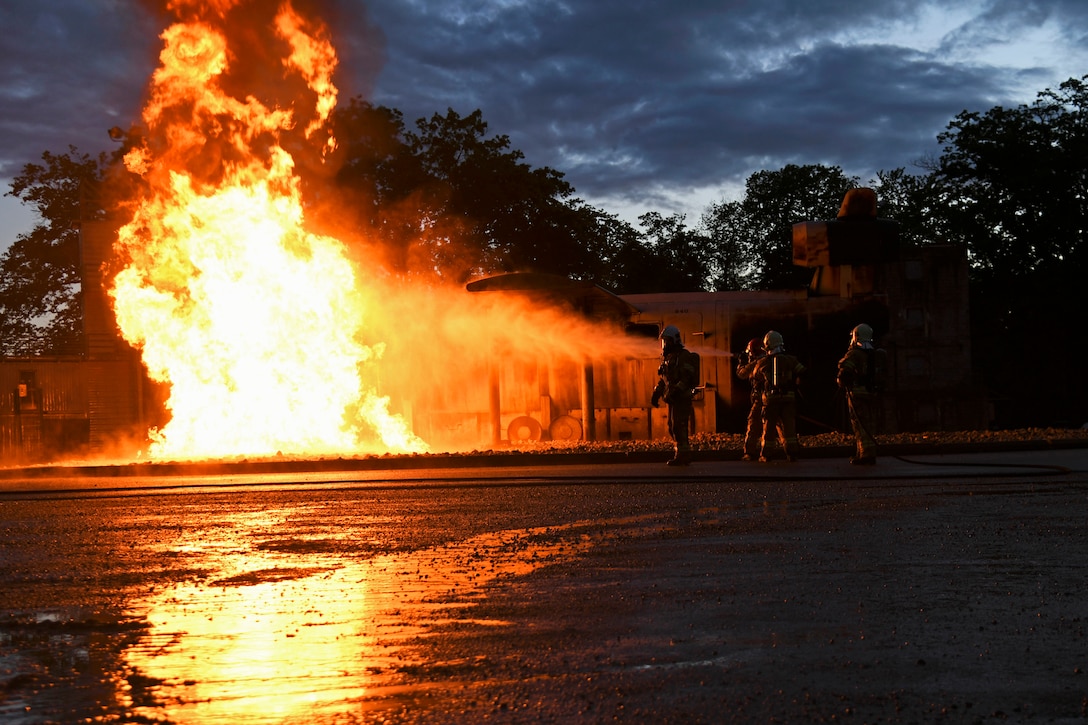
(680, 458)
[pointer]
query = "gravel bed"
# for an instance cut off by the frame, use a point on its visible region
(735, 441)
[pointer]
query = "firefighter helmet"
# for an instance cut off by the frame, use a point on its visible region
(670, 337)
(862, 336)
(755, 348)
(772, 341)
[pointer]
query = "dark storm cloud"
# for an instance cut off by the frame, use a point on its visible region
(634, 100)
(70, 70)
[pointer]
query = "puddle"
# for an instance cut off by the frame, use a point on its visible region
(207, 611)
(272, 637)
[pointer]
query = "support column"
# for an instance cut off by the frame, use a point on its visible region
(589, 418)
(494, 406)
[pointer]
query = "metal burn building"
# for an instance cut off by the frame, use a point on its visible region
(916, 300)
(60, 407)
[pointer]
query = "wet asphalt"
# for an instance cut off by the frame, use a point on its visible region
(929, 588)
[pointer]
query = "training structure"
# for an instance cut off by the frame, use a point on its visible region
(916, 300)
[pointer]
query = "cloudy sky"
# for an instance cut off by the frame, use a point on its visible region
(645, 105)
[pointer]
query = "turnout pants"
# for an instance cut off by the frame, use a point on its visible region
(779, 423)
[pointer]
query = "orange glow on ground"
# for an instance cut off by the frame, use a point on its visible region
(291, 634)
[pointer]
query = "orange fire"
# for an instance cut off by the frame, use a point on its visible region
(257, 326)
(271, 339)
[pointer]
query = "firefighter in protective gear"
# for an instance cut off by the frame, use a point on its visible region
(857, 378)
(746, 365)
(778, 375)
(678, 379)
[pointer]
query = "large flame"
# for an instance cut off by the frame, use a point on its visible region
(272, 339)
(256, 325)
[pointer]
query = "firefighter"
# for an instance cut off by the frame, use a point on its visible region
(679, 376)
(857, 377)
(778, 374)
(746, 365)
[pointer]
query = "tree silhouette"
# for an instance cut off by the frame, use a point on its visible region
(752, 238)
(40, 308)
(1012, 186)
(450, 201)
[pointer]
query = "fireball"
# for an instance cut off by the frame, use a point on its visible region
(257, 326)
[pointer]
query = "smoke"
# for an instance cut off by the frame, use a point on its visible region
(440, 346)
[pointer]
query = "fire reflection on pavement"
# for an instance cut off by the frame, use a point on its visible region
(291, 631)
